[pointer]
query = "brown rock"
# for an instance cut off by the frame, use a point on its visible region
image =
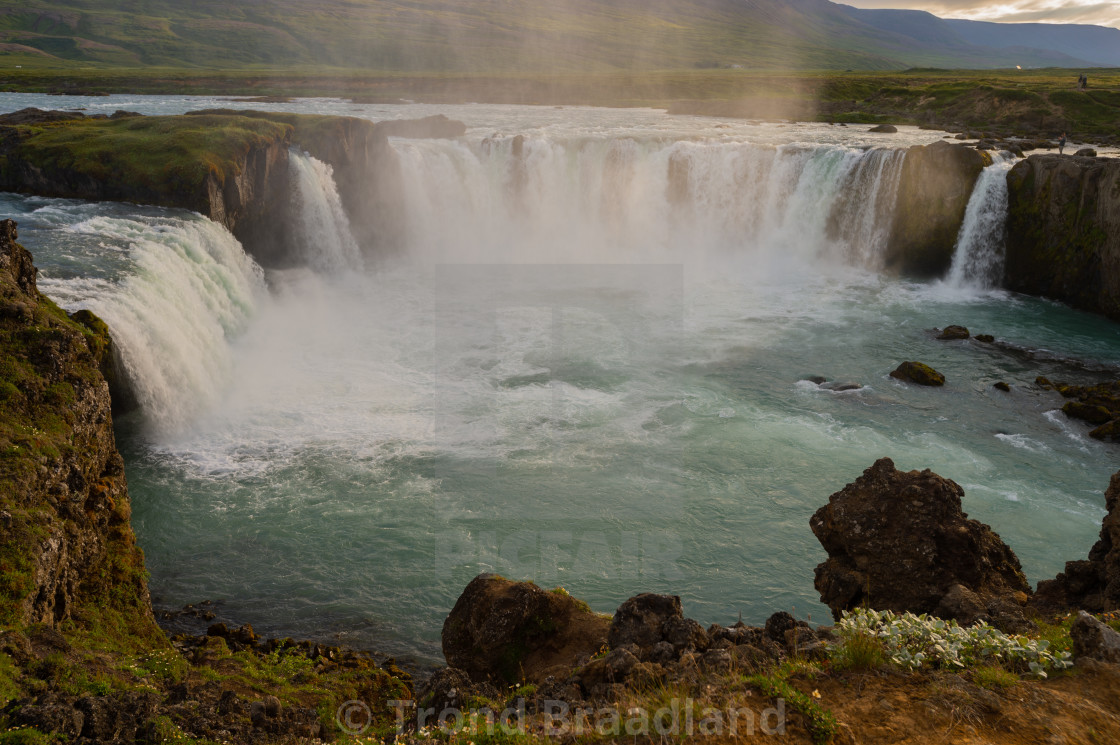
(918, 372)
(953, 332)
(506, 632)
(1094, 639)
(933, 192)
(900, 541)
(641, 620)
(1092, 584)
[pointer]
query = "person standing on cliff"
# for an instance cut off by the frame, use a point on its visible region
(1062, 143)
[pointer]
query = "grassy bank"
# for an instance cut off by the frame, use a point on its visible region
(1028, 101)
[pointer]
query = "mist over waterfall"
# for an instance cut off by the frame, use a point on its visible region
(627, 200)
(323, 241)
(978, 259)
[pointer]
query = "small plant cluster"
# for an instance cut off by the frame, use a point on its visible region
(822, 723)
(912, 641)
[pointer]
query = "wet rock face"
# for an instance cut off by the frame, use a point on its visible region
(1063, 231)
(1091, 584)
(899, 541)
(506, 632)
(933, 193)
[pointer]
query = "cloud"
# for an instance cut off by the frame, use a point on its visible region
(1009, 11)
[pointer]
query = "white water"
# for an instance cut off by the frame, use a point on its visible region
(628, 200)
(324, 241)
(978, 259)
(188, 289)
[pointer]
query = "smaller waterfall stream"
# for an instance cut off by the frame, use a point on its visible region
(324, 240)
(978, 260)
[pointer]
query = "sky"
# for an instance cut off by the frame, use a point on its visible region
(1106, 13)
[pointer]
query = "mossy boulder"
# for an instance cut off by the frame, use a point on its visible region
(506, 632)
(918, 372)
(953, 332)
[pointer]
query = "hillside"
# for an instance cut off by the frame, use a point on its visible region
(505, 35)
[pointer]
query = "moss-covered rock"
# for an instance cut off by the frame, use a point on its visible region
(918, 372)
(506, 632)
(953, 332)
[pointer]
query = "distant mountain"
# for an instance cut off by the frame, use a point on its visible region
(483, 36)
(1098, 44)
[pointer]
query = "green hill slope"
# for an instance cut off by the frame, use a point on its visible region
(480, 36)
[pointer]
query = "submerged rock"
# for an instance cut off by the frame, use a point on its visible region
(1091, 584)
(505, 632)
(953, 332)
(900, 541)
(1096, 404)
(918, 372)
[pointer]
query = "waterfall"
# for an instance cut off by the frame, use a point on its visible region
(186, 289)
(591, 200)
(323, 240)
(979, 254)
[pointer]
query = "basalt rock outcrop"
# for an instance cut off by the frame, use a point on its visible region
(1063, 231)
(65, 507)
(1091, 584)
(900, 541)
(504, 632)
(933, 192)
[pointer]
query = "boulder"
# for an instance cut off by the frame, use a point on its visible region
(1091, 584)
(1094, 639)
(1063, 231)
(933, 191)
(1086, 152)
(641, 620)
(950, 333)
(917, 372)
(506, 632)
(884, 128)
(900, 541)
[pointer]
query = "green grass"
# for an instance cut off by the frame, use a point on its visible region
(160, 154)
(822, 723)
